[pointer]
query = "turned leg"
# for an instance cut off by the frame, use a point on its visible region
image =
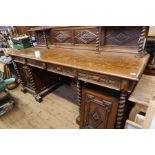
(19, 76)
(121, 110)
(79, 95)
(79, 91)
(122, 105)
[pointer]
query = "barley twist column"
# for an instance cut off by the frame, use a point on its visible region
(45, 39)
(141, 42)
(122, 105)
(19, 76)
(98, 40)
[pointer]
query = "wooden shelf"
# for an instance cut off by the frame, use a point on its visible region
(144, 90)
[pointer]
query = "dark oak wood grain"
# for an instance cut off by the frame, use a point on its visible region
(98, 111)
(109, 57)
(107, 63)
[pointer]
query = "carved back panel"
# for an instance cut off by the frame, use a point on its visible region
(91, 36)
(121, 36)
(73, 36)
(62, 36)
(39, 37)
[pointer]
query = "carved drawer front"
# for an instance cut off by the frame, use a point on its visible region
(36, 63)
(19, 59)
(61, 70)
(97, 111)
(99, 79)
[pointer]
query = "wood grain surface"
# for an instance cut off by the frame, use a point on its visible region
(122, 65)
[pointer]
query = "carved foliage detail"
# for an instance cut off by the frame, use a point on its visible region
(86, 36)
(121, 38)
(62, 36)
(101, 79)
(61, 70)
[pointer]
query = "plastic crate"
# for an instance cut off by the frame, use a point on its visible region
(21, 41)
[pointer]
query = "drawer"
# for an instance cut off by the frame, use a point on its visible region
(19, 59)
(37, 64)
(67, 71)
(99, 79)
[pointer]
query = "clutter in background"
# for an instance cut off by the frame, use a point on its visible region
(6, 101)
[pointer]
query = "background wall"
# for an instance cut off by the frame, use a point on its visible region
(152, 31)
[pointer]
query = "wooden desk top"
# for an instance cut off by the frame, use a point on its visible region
(109, 62)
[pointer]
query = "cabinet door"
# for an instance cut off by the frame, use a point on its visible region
(98, 111)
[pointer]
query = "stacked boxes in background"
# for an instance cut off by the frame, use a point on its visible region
(21, 42)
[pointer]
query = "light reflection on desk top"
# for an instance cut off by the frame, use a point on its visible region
(108, 62)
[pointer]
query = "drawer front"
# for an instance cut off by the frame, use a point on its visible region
(19, 59)
(99, 79)
(37, 64)
(62, 70)
(99, 111)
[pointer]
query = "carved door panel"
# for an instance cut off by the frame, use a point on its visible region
(97, 111)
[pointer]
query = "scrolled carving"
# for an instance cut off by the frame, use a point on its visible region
(61, 70)
(104, 80)
(37, 64)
